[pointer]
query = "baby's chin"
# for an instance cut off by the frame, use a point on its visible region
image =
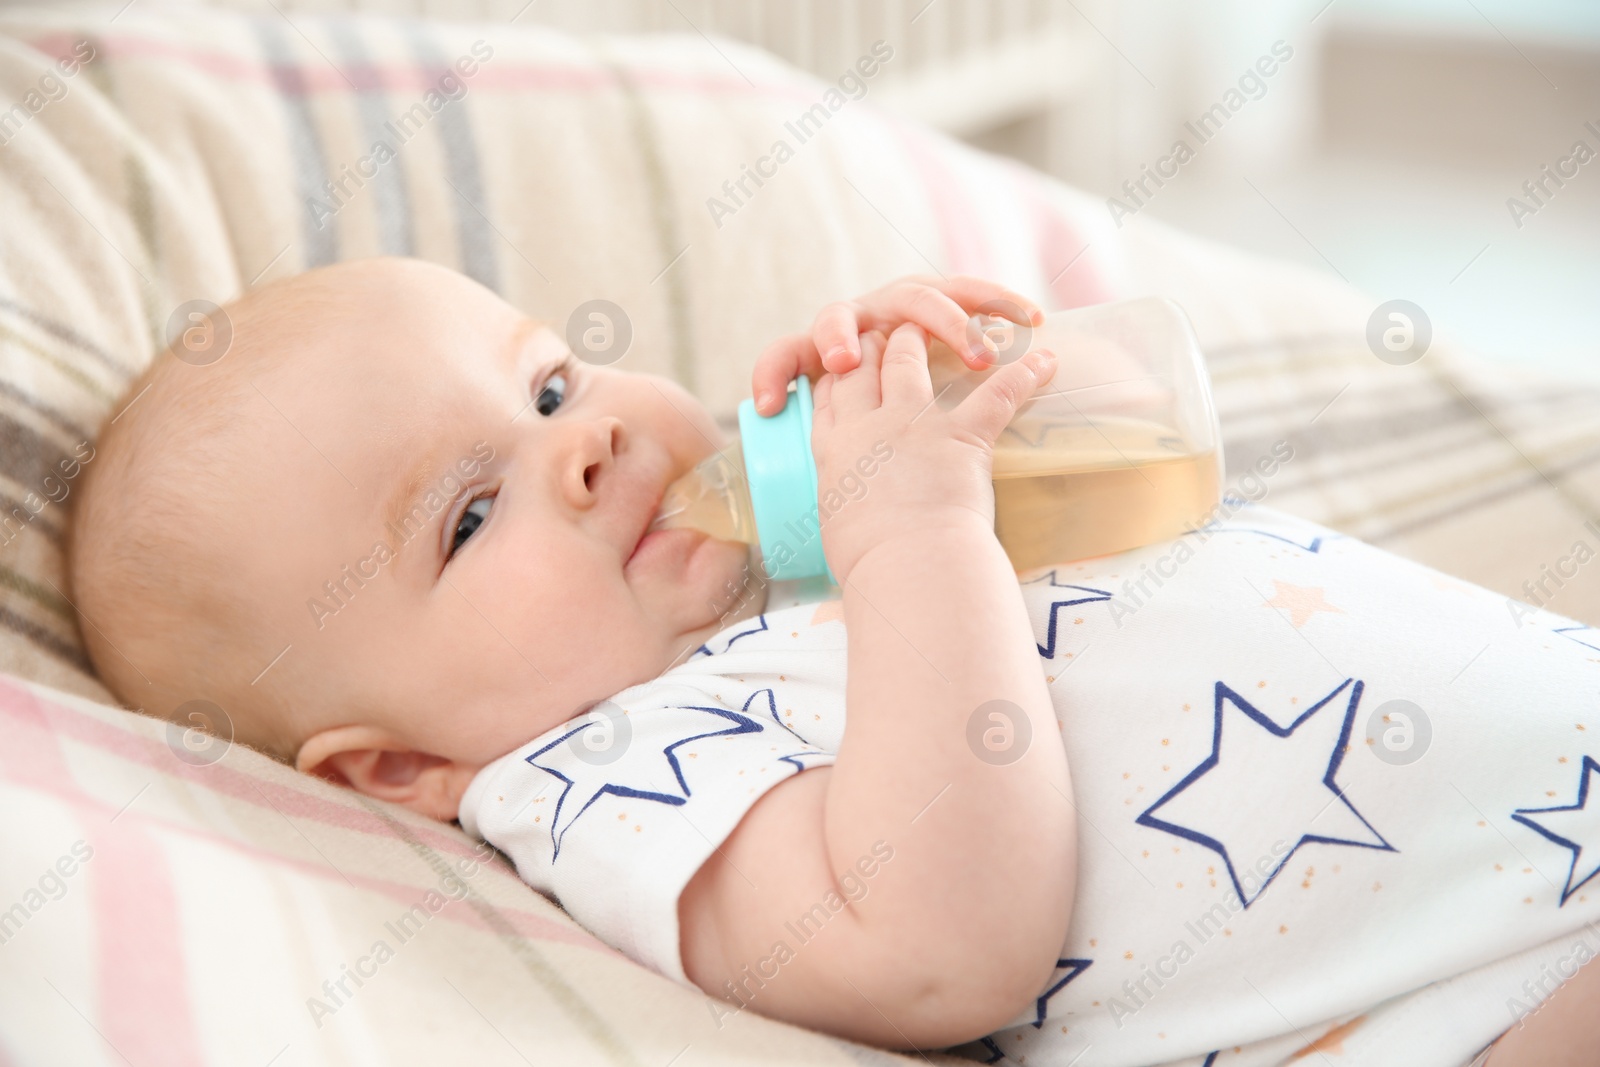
(717, 583)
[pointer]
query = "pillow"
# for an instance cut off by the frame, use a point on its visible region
(167, 899)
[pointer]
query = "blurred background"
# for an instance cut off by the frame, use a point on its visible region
(1439, 151)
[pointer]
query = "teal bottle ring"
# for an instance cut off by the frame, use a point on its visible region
(783, 485)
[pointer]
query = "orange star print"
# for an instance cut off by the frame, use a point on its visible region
(827, 611)
(1300, 601)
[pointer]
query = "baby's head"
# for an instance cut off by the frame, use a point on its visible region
(389, 531)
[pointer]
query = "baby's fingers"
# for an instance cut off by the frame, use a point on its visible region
(779, 364)
(945, 308)
(991, 406)
(929, 307)
(834, 334)
(821, 406)
(905, 365)
(991, 298)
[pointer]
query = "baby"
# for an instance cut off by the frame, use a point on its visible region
(399, 532)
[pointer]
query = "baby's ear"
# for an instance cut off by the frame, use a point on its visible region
(373, 761)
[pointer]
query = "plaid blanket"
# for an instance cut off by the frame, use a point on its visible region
(169, 901)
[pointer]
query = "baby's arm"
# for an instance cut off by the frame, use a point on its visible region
(1563, 1032)
(960, 929)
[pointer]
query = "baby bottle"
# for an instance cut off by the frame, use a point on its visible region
(1119, 449)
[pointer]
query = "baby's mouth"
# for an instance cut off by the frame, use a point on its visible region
(665, 550)
(663, 544)
(646, 522)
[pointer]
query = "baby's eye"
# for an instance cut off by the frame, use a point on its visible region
(476, 515)
(554, 391)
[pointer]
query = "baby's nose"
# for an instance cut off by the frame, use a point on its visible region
(604, 440)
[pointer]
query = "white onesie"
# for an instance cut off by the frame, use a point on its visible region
(1327, 798)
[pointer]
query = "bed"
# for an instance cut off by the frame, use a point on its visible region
(169, 897)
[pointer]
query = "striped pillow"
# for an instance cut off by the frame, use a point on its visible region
(168, 901)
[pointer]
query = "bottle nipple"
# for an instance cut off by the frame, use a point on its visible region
(713, 497)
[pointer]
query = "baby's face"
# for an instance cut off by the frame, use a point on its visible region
(441, 519)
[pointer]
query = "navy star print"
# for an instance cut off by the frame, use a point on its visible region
(1568, 631)
(1570, 826)
(1091, 595)
(758, 626)
(1247, 824)
(586, 782)
(1042, 1006)
(798, 758)
(1314, 546)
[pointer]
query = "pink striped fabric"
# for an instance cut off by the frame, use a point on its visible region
(321, 78)
(146, 814)
(36, 728)
(136, 924)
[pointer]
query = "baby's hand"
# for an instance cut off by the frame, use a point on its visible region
(922, 468)
(942, 306)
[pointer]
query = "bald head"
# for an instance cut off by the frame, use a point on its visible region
(156, 554)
